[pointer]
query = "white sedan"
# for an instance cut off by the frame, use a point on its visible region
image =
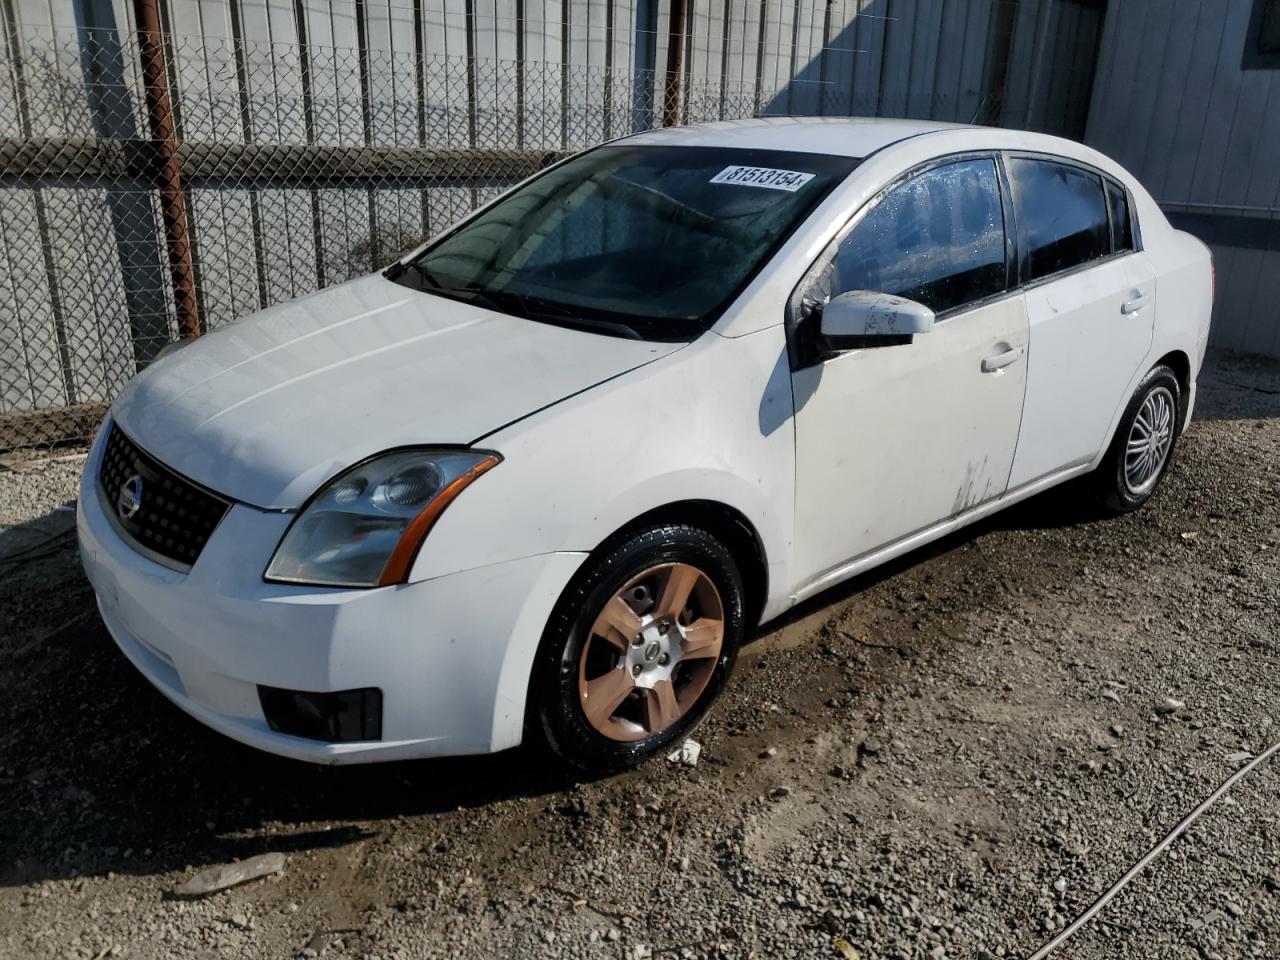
(541, 478)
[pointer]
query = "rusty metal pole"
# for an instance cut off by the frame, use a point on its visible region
(675, 64)
(164, 137)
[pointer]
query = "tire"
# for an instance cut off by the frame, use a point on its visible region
(1157, 403)
(585, 661)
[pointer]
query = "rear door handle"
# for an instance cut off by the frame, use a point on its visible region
(1134, 305)
(1001, 360)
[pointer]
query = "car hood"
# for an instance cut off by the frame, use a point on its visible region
(266, 410)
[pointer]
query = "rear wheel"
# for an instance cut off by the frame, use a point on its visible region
(1142, 449)
(638, 648)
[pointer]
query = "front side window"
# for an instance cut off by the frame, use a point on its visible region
(937, 239)
(641, 241)
(1061, 215)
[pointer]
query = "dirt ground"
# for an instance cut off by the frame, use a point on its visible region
(951, 757)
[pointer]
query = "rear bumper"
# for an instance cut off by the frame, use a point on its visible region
(451, 655)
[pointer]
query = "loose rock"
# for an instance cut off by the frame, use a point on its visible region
(214, 879)
(687, 753)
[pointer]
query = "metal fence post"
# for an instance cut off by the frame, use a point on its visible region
(173, 201)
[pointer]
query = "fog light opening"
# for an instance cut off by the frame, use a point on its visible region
(341, 716)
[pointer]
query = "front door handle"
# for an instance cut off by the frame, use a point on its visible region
(1133, 306)
(1001, 360)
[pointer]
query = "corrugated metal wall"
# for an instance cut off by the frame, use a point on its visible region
(1173, 104)
(1169, 100)
(82, 264)
(892, 57)
(803, 56)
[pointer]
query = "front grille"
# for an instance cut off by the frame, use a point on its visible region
(159, 511)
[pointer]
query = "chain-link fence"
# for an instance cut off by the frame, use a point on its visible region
(161, 186)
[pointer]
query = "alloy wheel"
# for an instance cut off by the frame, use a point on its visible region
(1149, 443)
(651, 652)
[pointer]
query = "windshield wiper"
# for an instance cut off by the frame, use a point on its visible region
(504, 301)
(429, 284)
(398, 270)
(552, 311)
(594, 325)
(490, 300)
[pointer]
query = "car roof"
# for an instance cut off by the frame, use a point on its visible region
(838, 136)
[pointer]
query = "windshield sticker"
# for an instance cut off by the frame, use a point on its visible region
(789, 180)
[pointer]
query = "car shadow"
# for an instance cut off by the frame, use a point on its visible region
(1064, 506)
(99, 772)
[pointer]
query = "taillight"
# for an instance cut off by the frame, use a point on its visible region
(1213, 279)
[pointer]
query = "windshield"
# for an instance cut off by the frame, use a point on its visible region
(640, 241)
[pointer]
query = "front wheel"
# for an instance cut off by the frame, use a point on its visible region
(638, 648)
(1142, 449)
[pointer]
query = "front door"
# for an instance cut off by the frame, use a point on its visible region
(891, 440)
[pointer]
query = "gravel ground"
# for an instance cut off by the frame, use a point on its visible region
(951, 757)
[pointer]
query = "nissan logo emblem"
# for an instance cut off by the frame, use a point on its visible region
(129, 502)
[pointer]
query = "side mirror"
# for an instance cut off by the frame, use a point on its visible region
(858, 316)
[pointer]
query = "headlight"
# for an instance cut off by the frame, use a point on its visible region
(363, 528)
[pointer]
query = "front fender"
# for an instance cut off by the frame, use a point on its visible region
(711, 422)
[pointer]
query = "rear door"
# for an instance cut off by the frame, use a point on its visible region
(1090, 297)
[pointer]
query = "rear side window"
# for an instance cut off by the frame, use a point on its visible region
(1121, 229)
(1061, 214)
(937, 239)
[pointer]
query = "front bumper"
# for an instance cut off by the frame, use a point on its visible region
(451, 655)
